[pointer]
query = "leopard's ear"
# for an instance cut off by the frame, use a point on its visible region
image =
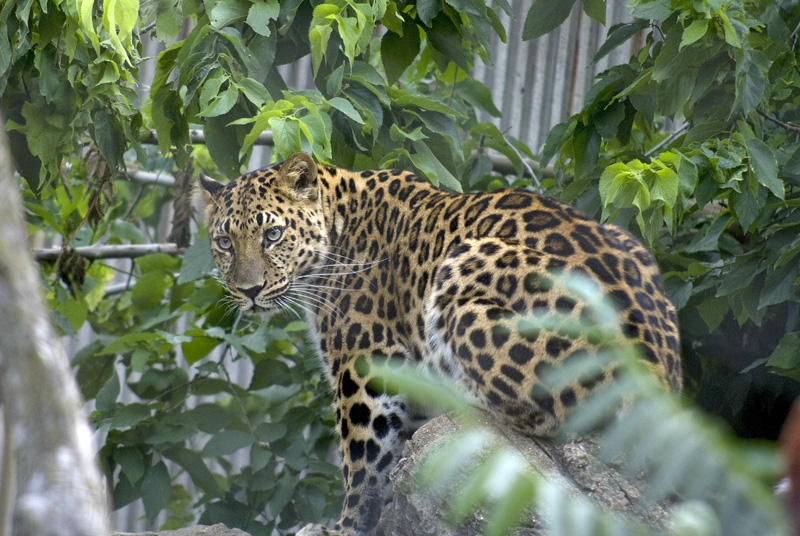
(206, 191)
(298, 174)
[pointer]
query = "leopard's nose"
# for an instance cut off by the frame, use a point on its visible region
(251, 292)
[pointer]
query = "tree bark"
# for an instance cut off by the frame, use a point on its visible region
(50, 483)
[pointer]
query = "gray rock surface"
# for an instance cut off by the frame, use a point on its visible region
(572, 465)
(196, 530)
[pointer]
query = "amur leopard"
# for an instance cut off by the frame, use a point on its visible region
(385, 264)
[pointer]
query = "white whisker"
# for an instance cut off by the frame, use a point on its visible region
(297, 303)
(286, 302)
(320, 302)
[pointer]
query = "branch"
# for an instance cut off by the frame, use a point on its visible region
(198, 136)
(147, 177)
(787, 126)
(109, 252)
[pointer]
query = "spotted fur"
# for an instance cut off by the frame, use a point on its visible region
(384, 264)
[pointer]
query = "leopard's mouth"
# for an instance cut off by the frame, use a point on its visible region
(265, 305)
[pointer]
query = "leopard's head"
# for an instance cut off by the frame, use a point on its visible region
(267, 230)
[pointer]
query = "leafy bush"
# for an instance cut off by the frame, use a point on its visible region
(692, 142)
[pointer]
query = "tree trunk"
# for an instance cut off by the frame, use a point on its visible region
(50, 481)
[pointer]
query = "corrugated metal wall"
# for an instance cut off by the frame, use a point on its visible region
(540, 83)
(536, 84)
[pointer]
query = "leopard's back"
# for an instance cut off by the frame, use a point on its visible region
(458, 269)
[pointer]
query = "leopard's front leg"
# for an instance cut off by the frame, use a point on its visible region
(372, 429)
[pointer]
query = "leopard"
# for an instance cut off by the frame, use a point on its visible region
(384, 264)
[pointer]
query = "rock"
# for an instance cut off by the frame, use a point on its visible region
(196, 530)
(414, 513)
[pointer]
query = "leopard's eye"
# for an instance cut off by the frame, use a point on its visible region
(274, 234)
(224, 242)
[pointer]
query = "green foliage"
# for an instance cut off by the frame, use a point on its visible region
(403, 99)
(191, 442)
(65, 79)
(693, 140)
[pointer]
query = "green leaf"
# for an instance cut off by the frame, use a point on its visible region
(787, 354)
(713, 311)
(709, 240)
(227, 12)
(222, 103)
(211, 418)
(344, 106)
(269, 431)
(260, 15)
(746, 206)
(399, 51)
(131, 461)
(125, 230)
(440, 172)
(657, 10)
(405, 100)
(694, 32)
(670, 61)
(149, 290)
(586, 144)
(596, 9)
(128, 416)
(745, 269)
(225, 145)
(479, 96)
(270, 372)
(85, 17)
(168, 20)
(107, 397)
(119, 19)
(427, 10)
(254, 91)
(476, 7)
(544, 16)
(286, 134)
(556, 138)
(194, 465)
(227, 442)
(157, 488)
(318, 38)
(779, 284)
(750, 85)
(666, 185)
(765, 166)
(398, 135)
(727, 29)
(444, 36)
(617, 35)
(109, 138)
(197, 348)
(129, 341)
